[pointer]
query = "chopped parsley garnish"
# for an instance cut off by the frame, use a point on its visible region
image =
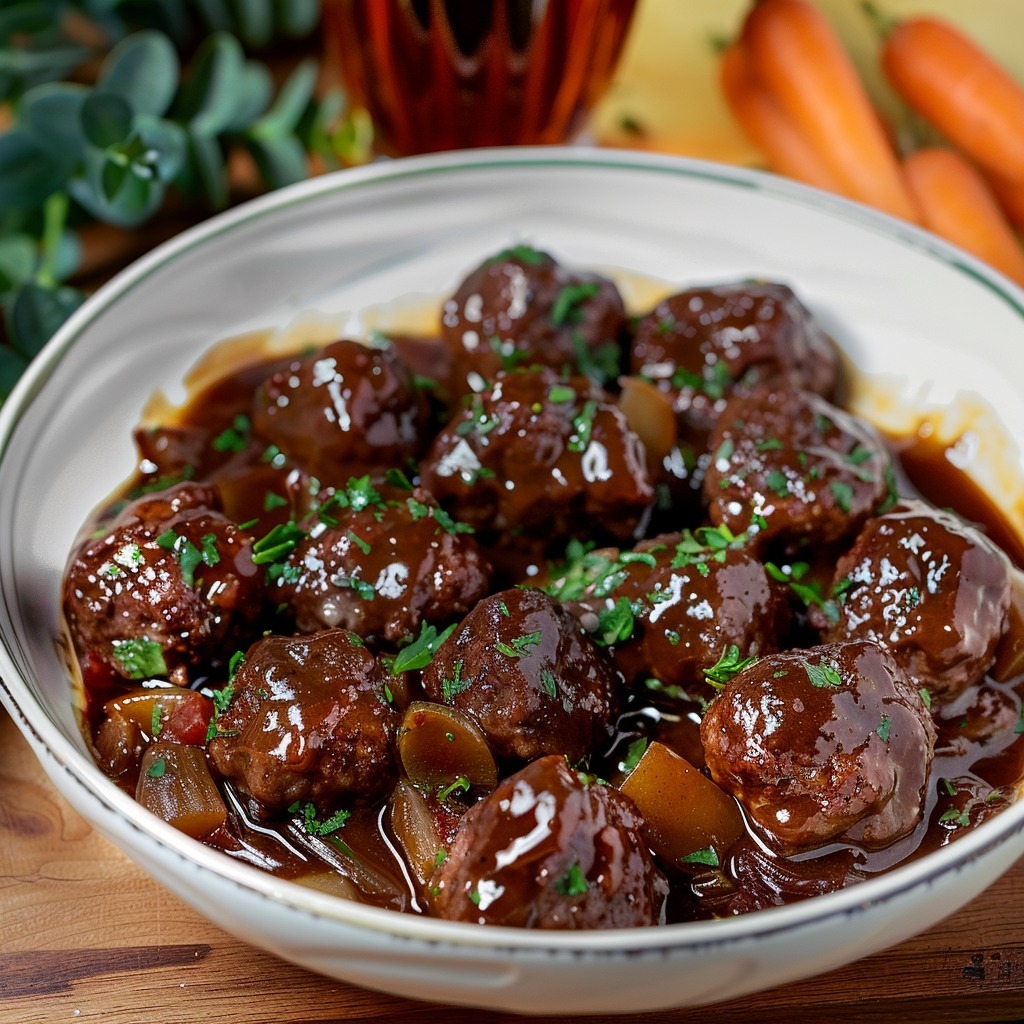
(272, 500)
(615, 624)
(417, 509)
(157, 769)
(221, 699)
(809, 593)
(561, 393)
(572, 883)
(726, 667)
(278, 544)
(358, 541)
(364, 589)
(776, 481)
(449, 525)
(504, 609)
(583, 426)
(843, 493)
(926, 697)
(188, 555)
(460, 785)
(479, 422)
(454, 684)
(822, 675)
(235, 438)
(156, 724)
(566, 309)
(547, 681)
(600, 363)
(884, 727)
(141, 659)
(521, 253)
(507, 352)
(420, 652)
(953, 815)
(768, 444)
(519, 645)
(274, 456)
(313, 825)
(236, 662)
(633, 754)
(397, 478)
(714, 381)
(707, 856)
(858, 456)
(584, 568)
(704, 544)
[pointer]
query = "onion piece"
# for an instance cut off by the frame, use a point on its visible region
(415, 831)
(649, 414)
(176, 785)
(438, 745)
(684, 811)
(140, 705)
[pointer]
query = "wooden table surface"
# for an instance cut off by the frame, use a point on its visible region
(87, 936)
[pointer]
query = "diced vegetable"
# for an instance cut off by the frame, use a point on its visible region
(176, 785)
(438, 745)
(153, 709)
(649, 414)
(684, 811)
(415, 831)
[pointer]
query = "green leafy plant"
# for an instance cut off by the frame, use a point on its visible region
(116, 106)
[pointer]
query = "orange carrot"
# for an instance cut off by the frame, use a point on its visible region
(960, 90)
(798, 55)
(1011, 198)
(767, 125)
(957, 204)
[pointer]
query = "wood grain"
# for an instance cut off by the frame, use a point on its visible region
(87, 936)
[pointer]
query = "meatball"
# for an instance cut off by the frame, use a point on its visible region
(551, 848)
(167, 587)
(831, 743)
(522, 668)
(343, 411)
(542, 456)
(677, 604)
(307, 721)
(791, 467)
(520, 308)
(382, 566)
(930, 588)
(704, 345)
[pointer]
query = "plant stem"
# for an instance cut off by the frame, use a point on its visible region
(55, 213)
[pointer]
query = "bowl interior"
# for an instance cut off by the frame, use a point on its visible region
(928, 325)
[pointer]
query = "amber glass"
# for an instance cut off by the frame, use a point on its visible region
(452, 74)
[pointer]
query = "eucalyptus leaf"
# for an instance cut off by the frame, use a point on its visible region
(254, 92)
(18, 258)
(12, 365)
(106, 119)
(35, 313)
(143, 70)
(283, 117)
(166, 145)
(254, 21)
(281, 160)
(29, 171)
(209, 94)
(206, 169)
(53, 114)
(297, 17)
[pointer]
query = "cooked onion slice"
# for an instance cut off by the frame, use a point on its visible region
(438, 745)
(685, 813)
(176, 785)
(415, 831)
(649, 414)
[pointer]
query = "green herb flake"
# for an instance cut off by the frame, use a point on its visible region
(460, 785)
(157, 769)
(519, 645)
(926, 698)
(843, 494)
(768, 444)
(728, 665)
(560, 394)
(365, 590)
(566, 309)
(572, 883)
(615, 624)
(313, 825)
(707, 857)
(822, 675)
(358, 541)
(419, 653)
(450, 525)
(235, 438)
(454, 684)
(884, 727)
(547, 681)
(633, 754)
(397, 478)
(583, 426)
(954, 816)
(141, 659)
(272, 500)
(776, 481)
(521, 254)
(156, 724)
(278, 544)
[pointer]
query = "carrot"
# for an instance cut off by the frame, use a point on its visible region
(797, 54)
(960, 90)
(766, 124)
(1011, 198)
(957, 204)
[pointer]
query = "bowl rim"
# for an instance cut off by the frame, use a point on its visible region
(58, 753)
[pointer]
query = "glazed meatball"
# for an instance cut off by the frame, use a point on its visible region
(169, 585)
(521, 308)
(542, 456)
(928, 587)
(789, 466)
(551, 848)
(523, 669)
(704, 345)
(343, 411)
(383, 565)
(831, 743)
(675, 605)
(307, 721)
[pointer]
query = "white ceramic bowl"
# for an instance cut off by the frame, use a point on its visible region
(932, 321)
